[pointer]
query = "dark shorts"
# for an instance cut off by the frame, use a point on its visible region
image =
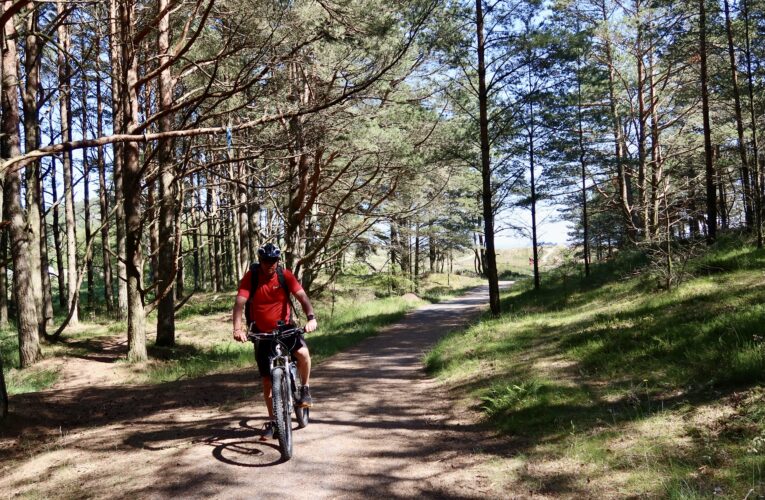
(263, 349)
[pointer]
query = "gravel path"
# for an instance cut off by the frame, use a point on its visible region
(379, 427)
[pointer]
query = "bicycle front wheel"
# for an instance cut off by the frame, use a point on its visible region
(280, 391)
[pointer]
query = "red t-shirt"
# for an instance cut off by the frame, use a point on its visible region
(268, 306)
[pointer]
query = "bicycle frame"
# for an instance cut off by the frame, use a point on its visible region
(284, 380)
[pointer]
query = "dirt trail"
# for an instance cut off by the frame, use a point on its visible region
(380, 426)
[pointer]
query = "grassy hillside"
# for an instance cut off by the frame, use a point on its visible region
(610, 387)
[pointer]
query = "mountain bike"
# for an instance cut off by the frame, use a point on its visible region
(286, 386)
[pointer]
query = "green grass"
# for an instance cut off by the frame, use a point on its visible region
(21, 381)
(204, 345)
(351, 323)
(206, 304)
(190, 361)
(576, 370)
(32, 380)
(355, 315)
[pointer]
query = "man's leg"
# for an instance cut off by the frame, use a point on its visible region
(303, 359)
(267, 397)
(262, 348)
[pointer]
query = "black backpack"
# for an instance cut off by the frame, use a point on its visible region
(254, 285)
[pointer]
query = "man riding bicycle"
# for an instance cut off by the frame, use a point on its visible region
(265, 291)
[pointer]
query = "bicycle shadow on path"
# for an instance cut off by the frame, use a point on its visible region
(379, 426)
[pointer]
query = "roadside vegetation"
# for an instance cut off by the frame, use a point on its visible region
(609, 385)
(357, 307)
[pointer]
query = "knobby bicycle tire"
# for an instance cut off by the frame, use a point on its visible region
(281, 403)
(301, 414)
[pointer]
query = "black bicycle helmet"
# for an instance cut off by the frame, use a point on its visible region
(269, 251)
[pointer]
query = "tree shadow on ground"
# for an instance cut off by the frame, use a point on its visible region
(620, 369)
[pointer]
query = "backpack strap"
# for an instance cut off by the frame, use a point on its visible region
(254, 275)
(287, 293)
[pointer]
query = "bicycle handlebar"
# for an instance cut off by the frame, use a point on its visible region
(274, 334)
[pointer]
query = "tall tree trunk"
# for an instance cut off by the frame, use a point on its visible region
(45, 265)
(212, 237)
(65, 108)
(242, 219)
(642, 119)
(710, 169)
(118, 150)
(57, 237)
(167, 193)
(722, 209)
(131, 187)
(432, 246)
(103, 195)
(623, 174)
(30, 99)
(416, 257)
(26, 312)
(394, 254)
(86, 186)
(3, 257)
(757, 174)
(253, 212)
(745, 176)
(583, 165)
(532, 168)
(196, 239)
(233, 236)
(487, 195)
(657, 159)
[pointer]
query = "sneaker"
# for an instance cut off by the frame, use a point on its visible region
(305, 400)
(269, 431)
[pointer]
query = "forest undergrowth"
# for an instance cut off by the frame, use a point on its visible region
(612, 387)
(360, 307)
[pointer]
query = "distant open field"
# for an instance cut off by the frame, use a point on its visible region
(516, 260)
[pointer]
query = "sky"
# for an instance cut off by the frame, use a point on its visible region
(549, 231)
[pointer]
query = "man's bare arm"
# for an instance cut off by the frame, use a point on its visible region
(239, 333)
(305, 303)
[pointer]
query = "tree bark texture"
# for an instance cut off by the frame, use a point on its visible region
(29, 341)
(745, 175)
(33, 190)
(65, 108)
(532, 174)
(117, 90)
(86, 188)
(708, 152)
(103, 197)
(131, 188)
(3, 259)
(487, 198)
(167, 192)
(57, 243)
(583, 166)
(623, 173)
(757, 174)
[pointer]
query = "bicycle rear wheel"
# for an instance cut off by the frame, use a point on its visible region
(280, 391)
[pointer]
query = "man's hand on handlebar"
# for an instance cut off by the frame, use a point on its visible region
(240, 335)
(311, 326)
